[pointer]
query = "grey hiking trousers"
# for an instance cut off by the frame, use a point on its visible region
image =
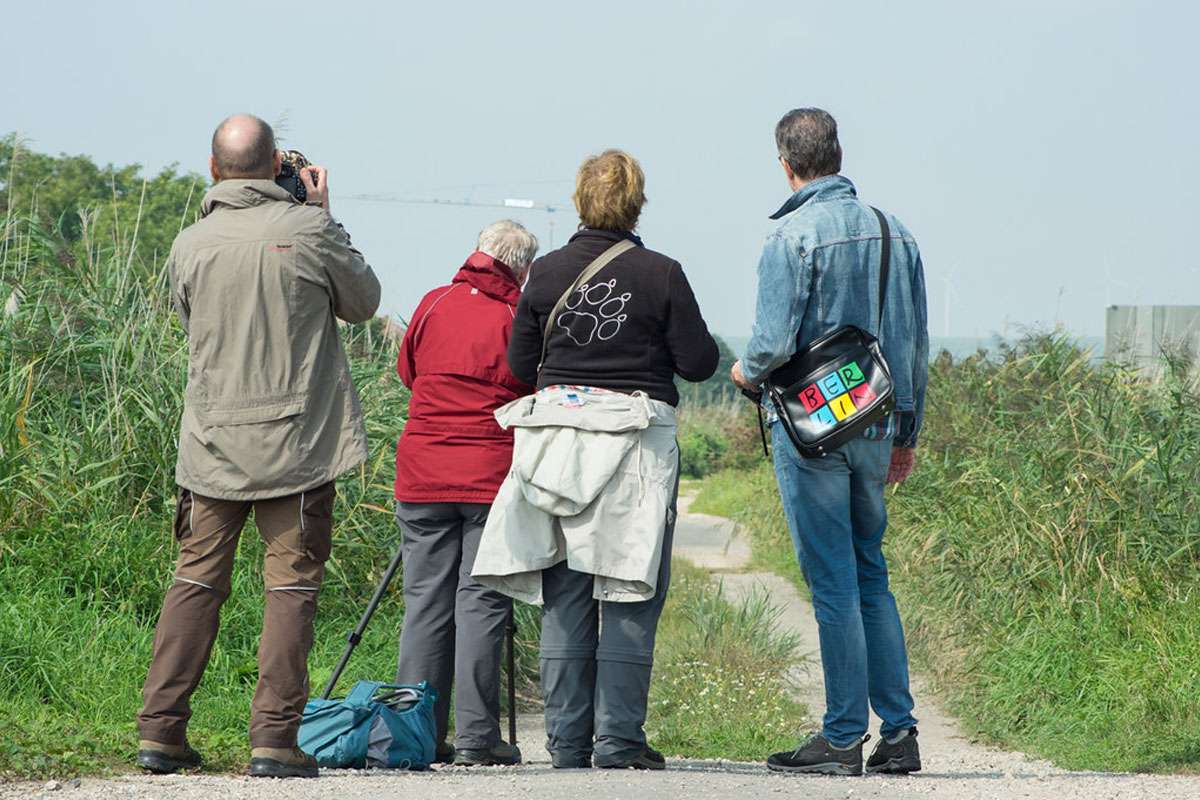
(453, 626)
(596, 659)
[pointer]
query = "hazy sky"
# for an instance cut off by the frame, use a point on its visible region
(1044, 154)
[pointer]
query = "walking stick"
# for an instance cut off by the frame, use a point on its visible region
(356, 635)
(512, 677)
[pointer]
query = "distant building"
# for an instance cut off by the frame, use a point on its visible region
(1142, 336)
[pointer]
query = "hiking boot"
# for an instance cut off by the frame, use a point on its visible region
(281, 762)
(649, 758)
(899, 755)
(164, 759)
(818, 757)
(502, 755)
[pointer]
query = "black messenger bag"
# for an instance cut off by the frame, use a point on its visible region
(838, 386)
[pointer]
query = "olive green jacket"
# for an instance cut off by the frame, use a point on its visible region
(270, 408)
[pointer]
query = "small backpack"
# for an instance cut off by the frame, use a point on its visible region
(377, 725)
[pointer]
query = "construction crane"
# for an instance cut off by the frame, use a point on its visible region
(525, 205)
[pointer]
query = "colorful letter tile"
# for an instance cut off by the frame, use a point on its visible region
(812, 398)
(832, 386)
(851, 375)
(842, 407)
(863, 395)
(824, 417)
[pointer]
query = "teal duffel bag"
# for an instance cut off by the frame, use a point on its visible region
(377, 725)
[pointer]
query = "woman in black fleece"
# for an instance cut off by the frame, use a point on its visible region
(637, 326)
(632, 327)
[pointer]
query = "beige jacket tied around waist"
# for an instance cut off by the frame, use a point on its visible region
(592, 482)
(259, 282)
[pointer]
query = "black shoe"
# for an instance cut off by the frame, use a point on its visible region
(444, 754)
(276, 762)
(570, 762)
(649, 758)
(817, 756)
(164, 759)
(502, 755)
(899, 758)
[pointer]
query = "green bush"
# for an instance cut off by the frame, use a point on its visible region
(1046, 554)
(718, 437)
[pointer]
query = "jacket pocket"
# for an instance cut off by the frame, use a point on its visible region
(250, 412)
(183, 515)
(316, 521)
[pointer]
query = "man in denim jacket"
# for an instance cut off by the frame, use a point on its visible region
(819, 272)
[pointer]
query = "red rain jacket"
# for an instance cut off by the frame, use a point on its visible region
(454, 359)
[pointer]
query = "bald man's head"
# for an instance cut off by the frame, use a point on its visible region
(243, 146)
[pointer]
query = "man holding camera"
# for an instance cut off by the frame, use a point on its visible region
(270, 419)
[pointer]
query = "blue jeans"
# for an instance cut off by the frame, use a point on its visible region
(835, 510)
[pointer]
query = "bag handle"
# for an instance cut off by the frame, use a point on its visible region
(363, 692)
(885, 261)
(588, 273)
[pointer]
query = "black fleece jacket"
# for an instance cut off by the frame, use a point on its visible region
(634, 326)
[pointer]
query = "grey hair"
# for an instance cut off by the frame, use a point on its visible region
(509, 243)
(807, 140)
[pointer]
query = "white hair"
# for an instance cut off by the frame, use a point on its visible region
(509, 243)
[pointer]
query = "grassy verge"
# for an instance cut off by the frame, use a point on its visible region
(1045, 555)
(720, 685)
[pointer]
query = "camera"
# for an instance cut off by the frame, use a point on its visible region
(289, 173)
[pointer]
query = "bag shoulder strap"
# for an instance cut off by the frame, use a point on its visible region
(885, 261)
(588, 273)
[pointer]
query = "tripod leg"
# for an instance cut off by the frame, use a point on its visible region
(512, 677)
(356, 635)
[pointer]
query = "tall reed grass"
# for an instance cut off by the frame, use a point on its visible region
(1046, 553)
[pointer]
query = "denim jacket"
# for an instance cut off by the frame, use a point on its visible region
(820, 271)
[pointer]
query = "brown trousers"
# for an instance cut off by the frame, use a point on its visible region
(297, 531)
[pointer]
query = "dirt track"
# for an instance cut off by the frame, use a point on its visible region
(955, 767)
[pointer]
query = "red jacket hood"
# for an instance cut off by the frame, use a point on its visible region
(491, 277)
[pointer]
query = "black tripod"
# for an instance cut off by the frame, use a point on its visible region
(355, 637)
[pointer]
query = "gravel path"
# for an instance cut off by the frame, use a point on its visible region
(955, 767)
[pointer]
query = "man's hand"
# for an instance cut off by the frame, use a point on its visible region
(316, 183)
(904, 459)
(739, 378)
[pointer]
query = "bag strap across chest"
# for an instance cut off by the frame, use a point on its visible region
(589, 272)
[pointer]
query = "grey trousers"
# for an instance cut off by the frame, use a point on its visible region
(596, 660)
(453, 627)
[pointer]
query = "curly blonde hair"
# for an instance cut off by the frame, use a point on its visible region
(610, 190)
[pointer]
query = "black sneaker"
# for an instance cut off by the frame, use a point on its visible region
(164, 759)
(502, 755)
(817, 756)
(647, 759)
(896, 758)
(444, 754)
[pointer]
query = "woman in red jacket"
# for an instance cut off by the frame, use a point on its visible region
(451, 459)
